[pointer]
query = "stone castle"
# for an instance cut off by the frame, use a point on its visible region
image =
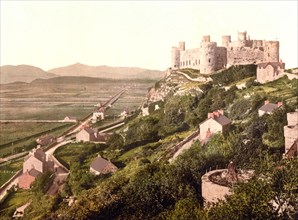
(209, 57)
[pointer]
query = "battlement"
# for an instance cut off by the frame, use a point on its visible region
(209, 57)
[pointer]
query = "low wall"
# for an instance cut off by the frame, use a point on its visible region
(6, 186)
(212, 192)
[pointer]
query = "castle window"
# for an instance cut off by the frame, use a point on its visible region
(189, 62)
(209, 60)
(268, 54)
(196, 62)
(183, 63)
(199, 62)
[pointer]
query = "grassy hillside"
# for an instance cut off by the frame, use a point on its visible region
(147, 186)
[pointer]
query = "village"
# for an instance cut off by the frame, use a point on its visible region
(216, 183)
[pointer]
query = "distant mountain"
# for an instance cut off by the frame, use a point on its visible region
(22, 73)
(79, 69)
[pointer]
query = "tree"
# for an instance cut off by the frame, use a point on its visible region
(116, 141)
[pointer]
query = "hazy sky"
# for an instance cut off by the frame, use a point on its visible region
(51, 34)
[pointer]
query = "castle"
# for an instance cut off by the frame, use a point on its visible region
(209, 57)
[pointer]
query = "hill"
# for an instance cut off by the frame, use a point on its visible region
(79, 69)
(22, 73)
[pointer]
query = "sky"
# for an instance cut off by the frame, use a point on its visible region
(50, 34)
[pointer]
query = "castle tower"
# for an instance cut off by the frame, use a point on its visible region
(206, 38)
(226, 40)
(175, 58)
(207, 55)
(242, 39)
(182, 45)
(271, 51)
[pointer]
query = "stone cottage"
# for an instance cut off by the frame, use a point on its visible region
(268, 108)
(291, 134)
(216, 122)
(89, 135)
(102, 166)
(270, 71)
(46, 140)
(34, 164)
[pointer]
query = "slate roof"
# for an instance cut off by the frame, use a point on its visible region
(89, 130)
(99, 164)
(34, 172)
(273, 64)
(268, 107)
(223, 120)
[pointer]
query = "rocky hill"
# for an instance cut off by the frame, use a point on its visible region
(79, 69)
(22, 73)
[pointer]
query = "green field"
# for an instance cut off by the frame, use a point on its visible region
(8, 169)
(19, 137)
(54, 101)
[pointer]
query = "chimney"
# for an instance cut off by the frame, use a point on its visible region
(210, 115)
(208, 134)
(221, 112)
(279, 104)
(266, 102)
(216, 113)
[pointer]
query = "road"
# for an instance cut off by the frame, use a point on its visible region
(64, 140)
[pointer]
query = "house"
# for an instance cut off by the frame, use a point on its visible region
(270, 71)
(70, 119)
(34, 164)
(291, 134)
(145, 111)
(46, 140)
(89, 135)
(102, 166)
(268, 108)
(98, 115)
(216, 122)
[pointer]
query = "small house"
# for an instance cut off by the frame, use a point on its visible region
(270, 71)
(89, 135)
(102, 166)
(216, 122)
(46, 140)
(34, 164)
(268, 108)
(70, 119)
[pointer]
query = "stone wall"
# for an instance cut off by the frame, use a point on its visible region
(212, 192)
(209, 57)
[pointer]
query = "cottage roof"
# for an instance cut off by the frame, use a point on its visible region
(89, 130)
(273, 64)
(99, 164)
(34, 172)
(269, 107)
(223, 120)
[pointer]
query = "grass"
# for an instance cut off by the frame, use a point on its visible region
(77, 99)
(13, 133)
(16, 199)
(282, 89)
(8, 169)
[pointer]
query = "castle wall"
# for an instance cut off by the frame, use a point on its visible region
(190, 58)
(244, 55)
(175, 58)
(208, 57)
(221, 58)
(271, 51)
